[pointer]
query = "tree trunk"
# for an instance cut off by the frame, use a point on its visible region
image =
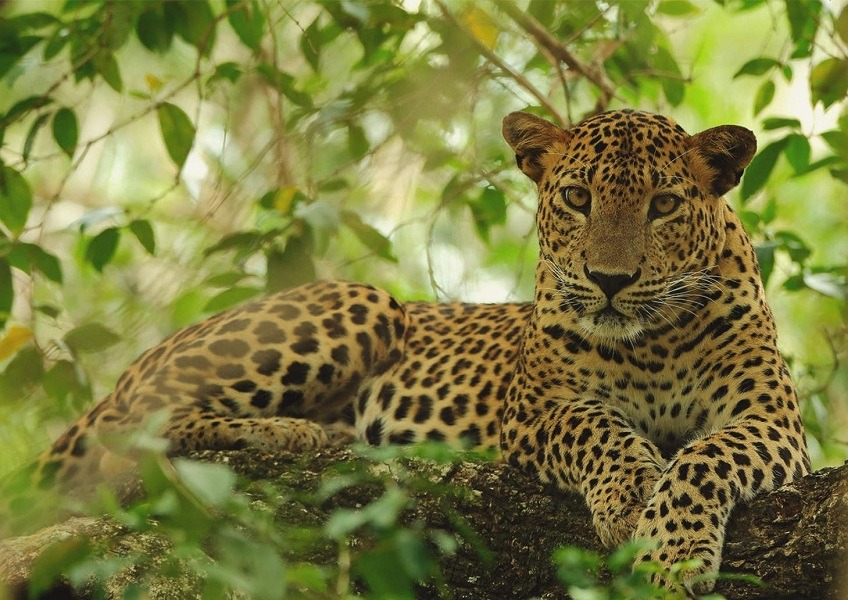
(794, 539)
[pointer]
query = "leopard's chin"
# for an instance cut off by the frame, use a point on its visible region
(611, 325)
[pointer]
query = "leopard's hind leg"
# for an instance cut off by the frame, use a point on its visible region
(280, 373)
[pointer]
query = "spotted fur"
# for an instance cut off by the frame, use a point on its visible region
(644, 374)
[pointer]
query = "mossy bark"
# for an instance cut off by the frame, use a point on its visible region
(794, 539)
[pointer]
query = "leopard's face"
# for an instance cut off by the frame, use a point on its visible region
(630, 222)
(624, 227)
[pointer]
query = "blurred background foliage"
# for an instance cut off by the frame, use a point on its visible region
(163, 160)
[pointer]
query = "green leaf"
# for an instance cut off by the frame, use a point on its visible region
(575, 566)
(65, 379)
(285, 84)
(33, 131)
(143, 232)
(66, 131)
(488, 209)
(381, 514)
(672, 83)
(231, 297)
(7, 295)
(334, 184)
(383, 574)
(750, 220)
(23, 372)
(804, 17)
(230, 71)
(291, 267)
(838, 174)
(84, 68)
(757, 66)
(413, 554)
(15, 200)
(838, 141)
(794, 283)
(91, 337)
(54, 45)
(677, 8)
(454, 188)
(765, 257)
(826, 163)
(212, 483)
(786, 71)
(115, 31)
(154, 31)
(773, 123)
(177, 131)
(310, 45)
(32, 257)
(764, 96)
(49, 310)
(357, 143)
(841, 24)
(248, 22)
(24, 106)
(373, 239)
(194, 22)
(13, 48)
(107, 68)
(101, 248)
(793, 245)
(249, 241)
(797, 152)
(283, 200)
(769, 211)
(541, 10)
(35, 20)
(760, 169)
(829, 81)
(227, 279)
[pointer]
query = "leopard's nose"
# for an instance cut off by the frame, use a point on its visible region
(611, 283)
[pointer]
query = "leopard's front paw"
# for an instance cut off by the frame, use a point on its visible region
(616, 525)
(687, 562)
(617, 508)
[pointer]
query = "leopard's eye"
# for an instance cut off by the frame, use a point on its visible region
(663, 205)
(577, 198)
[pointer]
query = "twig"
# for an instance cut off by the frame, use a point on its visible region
(595, 74)
(496, 61)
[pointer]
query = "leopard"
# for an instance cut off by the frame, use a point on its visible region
(644, 373)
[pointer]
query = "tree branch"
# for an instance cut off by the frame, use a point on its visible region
(496, 61)
(594, 73)
(794, 539)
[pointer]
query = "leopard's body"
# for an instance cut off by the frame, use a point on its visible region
(644, 374)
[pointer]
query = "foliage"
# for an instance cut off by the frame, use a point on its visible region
(197, 522)
(590, 576)
(160, 161)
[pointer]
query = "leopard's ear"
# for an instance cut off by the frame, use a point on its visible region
(531, 138)
(721, 155)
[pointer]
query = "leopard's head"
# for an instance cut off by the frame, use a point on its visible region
(630, 217)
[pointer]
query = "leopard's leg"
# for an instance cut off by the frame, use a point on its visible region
(201, 430)
(587, 445)
(109, 449)
(687, 516)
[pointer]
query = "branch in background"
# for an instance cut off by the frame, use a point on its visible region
(495, 60)
(592, 72)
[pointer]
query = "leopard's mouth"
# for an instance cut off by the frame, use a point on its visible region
(610, 314)
(609, 323)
